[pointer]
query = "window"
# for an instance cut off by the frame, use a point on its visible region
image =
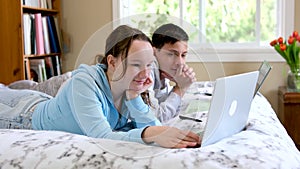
(230, 30)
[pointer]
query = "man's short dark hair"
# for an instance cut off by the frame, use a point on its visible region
(168, 33)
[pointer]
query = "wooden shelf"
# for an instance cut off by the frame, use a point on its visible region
(14, 62)
(28, 9)
(40, 56)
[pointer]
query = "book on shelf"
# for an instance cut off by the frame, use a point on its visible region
(53, 35)
(56, 60)
(31, 3)
(27, 68)
(26, 33)
(47, 4)
(43, 4)
(29, 33)
(49, 66)
(46, 35)
(59, 33)
(37, 70)
(39, 34)
(53, 66)
(32, 34)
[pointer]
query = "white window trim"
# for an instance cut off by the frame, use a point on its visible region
(238, 54)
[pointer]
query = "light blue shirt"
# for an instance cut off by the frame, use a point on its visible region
(85, 106)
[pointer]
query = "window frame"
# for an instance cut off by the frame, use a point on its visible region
(236, 54)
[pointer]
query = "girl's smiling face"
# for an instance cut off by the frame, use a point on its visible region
(139, 64)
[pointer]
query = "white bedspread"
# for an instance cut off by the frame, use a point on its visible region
(264, 144)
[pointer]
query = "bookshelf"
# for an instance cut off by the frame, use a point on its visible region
(16, 56)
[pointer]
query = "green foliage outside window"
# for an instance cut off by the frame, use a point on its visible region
(225, 20)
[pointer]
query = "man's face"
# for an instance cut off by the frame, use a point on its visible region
(170, 57)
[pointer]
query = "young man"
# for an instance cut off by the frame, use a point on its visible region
(170, 44)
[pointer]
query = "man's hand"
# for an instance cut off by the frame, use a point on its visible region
(183, 78)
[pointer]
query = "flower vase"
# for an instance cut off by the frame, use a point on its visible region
(293, 81)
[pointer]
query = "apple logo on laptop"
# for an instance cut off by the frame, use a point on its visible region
(232, 108)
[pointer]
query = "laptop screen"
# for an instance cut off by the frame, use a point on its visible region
(264, 70)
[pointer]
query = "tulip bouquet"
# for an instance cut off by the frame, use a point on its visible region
(289, 50)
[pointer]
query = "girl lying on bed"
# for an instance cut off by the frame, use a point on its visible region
(104, 100)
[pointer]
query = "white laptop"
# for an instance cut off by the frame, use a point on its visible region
(229, 106)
